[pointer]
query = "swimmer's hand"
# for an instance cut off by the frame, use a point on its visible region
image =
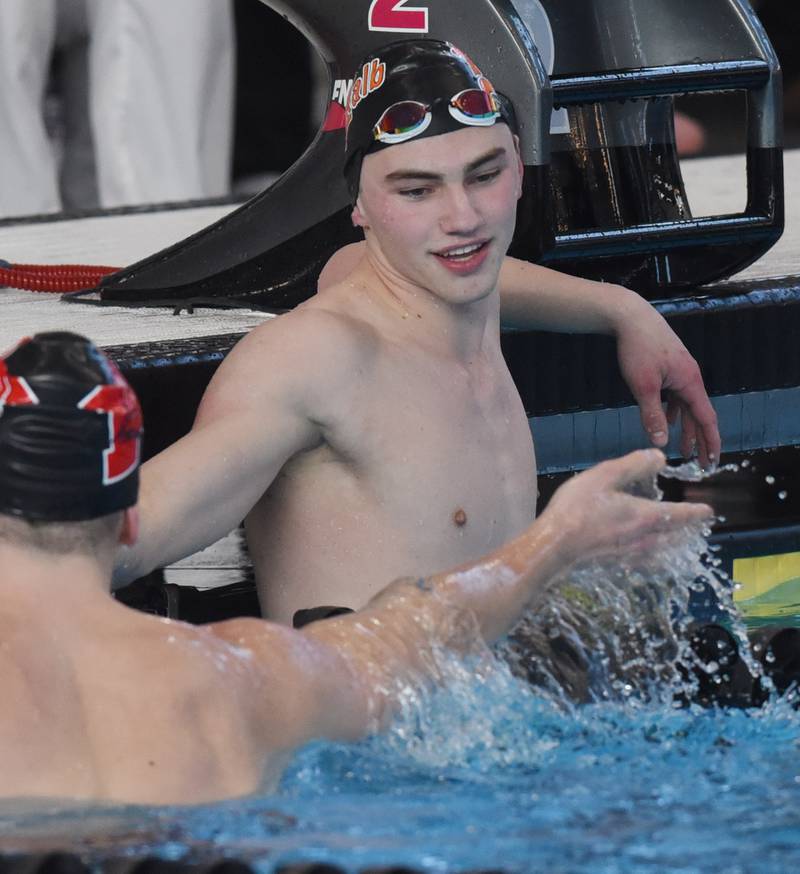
(597, 515)
(652, 359)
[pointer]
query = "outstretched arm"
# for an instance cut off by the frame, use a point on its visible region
(347, 675)
(264, 404)
(651, 357)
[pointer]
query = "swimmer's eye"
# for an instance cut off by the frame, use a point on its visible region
(487, 176)
(414, 193)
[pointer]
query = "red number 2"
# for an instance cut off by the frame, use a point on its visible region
(392, 15)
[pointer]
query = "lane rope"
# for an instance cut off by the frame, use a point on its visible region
(52, 278)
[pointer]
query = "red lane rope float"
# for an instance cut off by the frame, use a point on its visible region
(52, 278)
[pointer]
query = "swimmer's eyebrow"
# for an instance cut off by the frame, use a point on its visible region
(400, 175)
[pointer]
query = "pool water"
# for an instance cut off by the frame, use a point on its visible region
(489, 773)
(615, 787)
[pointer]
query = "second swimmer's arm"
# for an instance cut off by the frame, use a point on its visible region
(389, 644)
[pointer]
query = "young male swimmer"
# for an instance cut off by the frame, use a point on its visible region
(375, 432)
(127, 707)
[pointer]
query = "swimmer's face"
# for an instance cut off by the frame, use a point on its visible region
(439, 212)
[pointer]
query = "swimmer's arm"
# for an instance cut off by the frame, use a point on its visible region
(533, 297)
(651, 357)
(261, 407)
(343, 678)
(350, 673)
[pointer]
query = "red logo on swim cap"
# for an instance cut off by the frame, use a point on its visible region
(372, 77)
(119, 403)
(14, 390)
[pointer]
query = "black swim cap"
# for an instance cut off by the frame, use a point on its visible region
(70, 431)
(426, 71)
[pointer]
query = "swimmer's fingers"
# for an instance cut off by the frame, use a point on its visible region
(651, 411)
(700, 416)
(709, 446)
(653, 520)
(648, 519)
(669, 515)
(689, 441)
(634, 467)
(673, 409)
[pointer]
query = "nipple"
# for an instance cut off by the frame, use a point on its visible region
(459, 518)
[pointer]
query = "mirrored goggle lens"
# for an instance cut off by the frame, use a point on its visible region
(476, 104)
(402, 119)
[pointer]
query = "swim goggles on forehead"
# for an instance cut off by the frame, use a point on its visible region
(409, 118)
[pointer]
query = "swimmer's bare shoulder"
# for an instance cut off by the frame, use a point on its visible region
(305, 358)
(282, 390)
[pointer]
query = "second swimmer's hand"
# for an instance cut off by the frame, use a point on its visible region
(597, 515)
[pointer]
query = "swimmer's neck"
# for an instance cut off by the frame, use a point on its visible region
(31, 572)
(461, 329)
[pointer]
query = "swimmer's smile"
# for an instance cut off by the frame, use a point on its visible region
(464, 259)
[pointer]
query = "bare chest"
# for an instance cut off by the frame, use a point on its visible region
(423, 468)
(442, 454)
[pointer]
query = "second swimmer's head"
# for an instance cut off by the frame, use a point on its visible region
(70, 434)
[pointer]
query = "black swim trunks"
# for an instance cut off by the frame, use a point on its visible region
(314, 614)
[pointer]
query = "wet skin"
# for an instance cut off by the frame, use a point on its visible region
(127, 707)
(427, 457)
(375, 431)
(353, 430)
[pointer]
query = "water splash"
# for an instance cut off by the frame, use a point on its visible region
(692, 472)
(622, 632)
(605, 632)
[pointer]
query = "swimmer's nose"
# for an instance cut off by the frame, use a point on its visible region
(459, 215)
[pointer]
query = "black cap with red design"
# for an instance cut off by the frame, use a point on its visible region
(416, 88)
(70, 431)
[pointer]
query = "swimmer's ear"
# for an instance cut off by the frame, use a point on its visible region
(130, 527)
(357, 216)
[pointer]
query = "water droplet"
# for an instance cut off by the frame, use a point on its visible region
(746, 462)
(770, 656)
(769, 479)
(782, 496)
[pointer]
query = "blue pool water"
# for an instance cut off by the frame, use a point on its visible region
(608, 788)
(488, 774)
